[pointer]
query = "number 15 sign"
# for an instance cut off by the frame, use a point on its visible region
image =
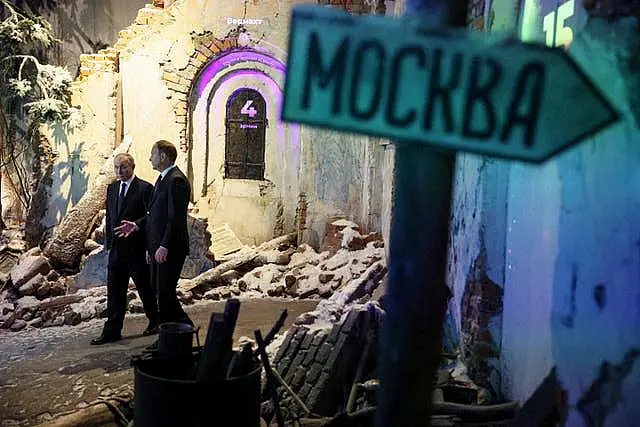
(453, 89)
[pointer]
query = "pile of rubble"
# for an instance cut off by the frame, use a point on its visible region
(35, 295)
(327, 366)
(293, 272)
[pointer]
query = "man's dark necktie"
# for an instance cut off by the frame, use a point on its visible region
(155, 188)
(123, 190)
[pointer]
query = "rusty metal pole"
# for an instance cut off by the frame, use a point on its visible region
(417, 293)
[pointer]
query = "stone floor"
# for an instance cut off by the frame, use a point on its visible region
(45, 372)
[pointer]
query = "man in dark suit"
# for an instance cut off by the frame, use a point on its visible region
(166, 228)
(127, 199)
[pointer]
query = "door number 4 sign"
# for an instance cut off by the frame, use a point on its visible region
(248, 109)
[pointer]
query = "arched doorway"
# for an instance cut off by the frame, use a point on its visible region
(245, 160)
(245, 131)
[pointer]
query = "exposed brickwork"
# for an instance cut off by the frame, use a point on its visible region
(358, 7)
(334, 334)
(146, 19)
(482, 300)
(106, 60)
(180, 81)
(324, 352)
(285, 344)
(321, 367)
(206, 47)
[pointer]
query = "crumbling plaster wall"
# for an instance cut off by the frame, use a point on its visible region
(348, 175)
(144, 94)
(334, 168)
(569, 238)
(503, 246)
(85, 27)
(595, 316)
(331, 166)
(476, 262)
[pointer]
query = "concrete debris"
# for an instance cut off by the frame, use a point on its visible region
(91, 245)
(199, 259)
(317, 360)
(28, 268)
(135, 306)
(32, 285)
(93, 273)
(39, 297)
(327, 350)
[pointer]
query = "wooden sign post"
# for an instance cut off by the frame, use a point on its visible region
(417, 293)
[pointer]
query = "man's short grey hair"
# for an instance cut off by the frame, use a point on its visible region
(125, 156)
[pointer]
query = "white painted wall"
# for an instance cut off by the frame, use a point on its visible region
(572, 234)
(511, 210)
(599, 243)
(531, 249)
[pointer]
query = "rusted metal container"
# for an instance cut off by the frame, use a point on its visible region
(164, 396)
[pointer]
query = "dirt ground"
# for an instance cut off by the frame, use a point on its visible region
(44, 372)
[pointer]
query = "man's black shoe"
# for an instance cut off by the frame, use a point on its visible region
(105, 339)
(151, 329)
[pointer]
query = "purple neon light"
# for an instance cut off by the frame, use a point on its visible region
(233, 58)
(219, 103)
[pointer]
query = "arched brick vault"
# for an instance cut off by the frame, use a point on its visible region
(179, 82)
(206, 47)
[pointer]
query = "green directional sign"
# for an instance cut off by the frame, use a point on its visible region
(455, 89)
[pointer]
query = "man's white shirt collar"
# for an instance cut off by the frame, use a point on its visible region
(128, 182)
(166, 171)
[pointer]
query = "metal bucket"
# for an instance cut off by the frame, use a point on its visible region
(164, 398)
(175, 339)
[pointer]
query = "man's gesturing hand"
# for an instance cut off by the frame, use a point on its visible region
(125, 228)
(161, 254)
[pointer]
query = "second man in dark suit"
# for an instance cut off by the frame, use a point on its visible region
(166, 228)
(127, 199)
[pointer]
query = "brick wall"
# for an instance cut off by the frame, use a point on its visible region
(179, 81)
(358, 7)
(107, 60)
(319, 363)
(481, 301)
